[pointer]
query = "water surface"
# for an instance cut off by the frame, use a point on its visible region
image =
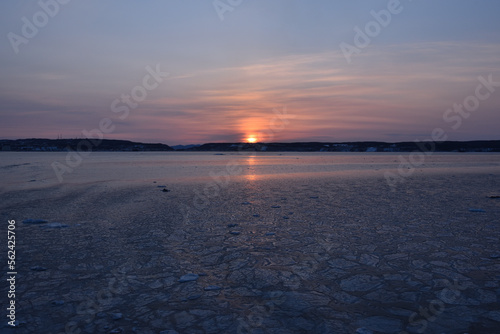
(36, 169)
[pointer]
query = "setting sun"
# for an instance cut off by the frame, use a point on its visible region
(251, 140)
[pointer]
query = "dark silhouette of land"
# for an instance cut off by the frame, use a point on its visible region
(447, 146)
(108, 145)
(58, 145)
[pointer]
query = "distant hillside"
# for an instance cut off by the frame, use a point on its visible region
(184, 147)
(127, 146)
(56, 145)
(448, 146)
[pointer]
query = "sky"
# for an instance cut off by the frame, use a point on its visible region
(198, 71)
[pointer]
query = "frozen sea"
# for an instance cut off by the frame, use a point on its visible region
(182, 242)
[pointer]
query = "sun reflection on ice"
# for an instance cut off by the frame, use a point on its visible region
(250, 174)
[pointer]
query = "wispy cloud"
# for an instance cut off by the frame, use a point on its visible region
(403, 88)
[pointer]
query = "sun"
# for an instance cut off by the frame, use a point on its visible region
(251, 140)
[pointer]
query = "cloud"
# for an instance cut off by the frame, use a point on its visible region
(388, 92)
(389, 89)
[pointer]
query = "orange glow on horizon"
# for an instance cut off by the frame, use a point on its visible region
(251, 140)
